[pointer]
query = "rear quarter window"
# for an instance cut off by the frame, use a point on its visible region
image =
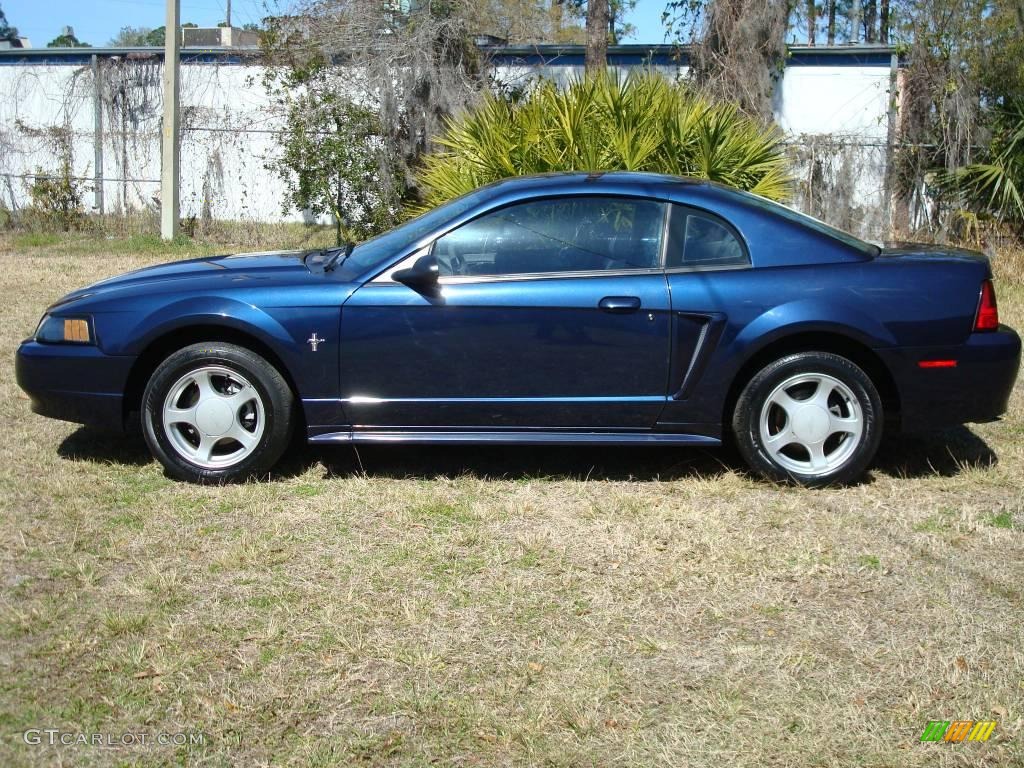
(701, 240)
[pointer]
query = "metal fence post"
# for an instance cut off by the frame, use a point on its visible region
(97, 116)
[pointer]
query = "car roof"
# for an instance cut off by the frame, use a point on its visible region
(598, 179)
(684, 189)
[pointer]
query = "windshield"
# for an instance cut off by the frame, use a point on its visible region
(375, 251)
(809, 221)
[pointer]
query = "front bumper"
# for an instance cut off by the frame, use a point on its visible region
(74, 383)
(978, 389)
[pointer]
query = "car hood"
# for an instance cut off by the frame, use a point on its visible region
(239, 266)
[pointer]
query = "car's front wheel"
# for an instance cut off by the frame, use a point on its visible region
(216, 412)
(812, 417)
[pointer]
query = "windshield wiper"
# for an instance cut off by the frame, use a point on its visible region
(338, 255)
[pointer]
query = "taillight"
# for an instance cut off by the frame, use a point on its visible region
(987, 318)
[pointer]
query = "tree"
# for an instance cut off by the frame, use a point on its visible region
(845, 20)
(998, 60)
(525, 22)
(65, 40)
(737, 48)
(641, 122)
(598, 18)
(870, 20)
(961, 74)
(995, 185)
(333, 160)
(7, 32)
(855, 15)
(412, 70)
(617, 10)
(57, 197)
(618, 27)
(130, 37)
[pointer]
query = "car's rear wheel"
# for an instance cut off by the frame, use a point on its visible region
(813, 417)
(216, 412)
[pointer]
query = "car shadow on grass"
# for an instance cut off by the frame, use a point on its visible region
(945, 453)
(526, 462)
(90, 444)
(438, 461)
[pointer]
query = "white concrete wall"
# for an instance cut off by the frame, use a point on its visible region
(839, 101)
(227, 137)
(836, 118)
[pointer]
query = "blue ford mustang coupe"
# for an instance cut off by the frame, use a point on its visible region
(614, 308)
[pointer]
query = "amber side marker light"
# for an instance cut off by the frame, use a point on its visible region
(76, 330)
(987, 317)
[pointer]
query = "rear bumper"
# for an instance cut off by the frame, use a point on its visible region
(74, 383)
(976, 390)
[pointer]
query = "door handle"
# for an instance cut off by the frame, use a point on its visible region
(620, 305)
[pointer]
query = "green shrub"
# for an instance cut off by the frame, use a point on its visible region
(994, 186)
(57, 198)
(641, 122)
(333, 162)
(36, 240)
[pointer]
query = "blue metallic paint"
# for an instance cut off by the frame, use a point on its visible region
(536, 359)
(507, 354)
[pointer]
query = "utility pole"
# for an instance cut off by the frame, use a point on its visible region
(170, 171)
(97, 135)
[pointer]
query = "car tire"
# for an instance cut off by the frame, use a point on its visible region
(813, 418)
(217, 413)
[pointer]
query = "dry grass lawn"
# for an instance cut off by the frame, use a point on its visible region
(500, 606)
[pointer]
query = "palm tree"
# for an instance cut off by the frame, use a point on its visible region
(641, 122)
(996, 186)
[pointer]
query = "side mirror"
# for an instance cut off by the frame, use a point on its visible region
(421, 276)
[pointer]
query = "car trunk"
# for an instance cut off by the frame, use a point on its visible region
(940, 254)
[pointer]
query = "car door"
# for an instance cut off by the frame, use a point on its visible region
(550, 313)
(708, 267)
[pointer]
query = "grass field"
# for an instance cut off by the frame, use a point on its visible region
(494, 606)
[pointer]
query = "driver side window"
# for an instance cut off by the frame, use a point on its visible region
(575, 234)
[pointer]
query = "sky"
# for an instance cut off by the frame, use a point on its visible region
(97, 21)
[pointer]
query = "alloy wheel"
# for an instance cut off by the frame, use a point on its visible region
(811, 424)
(213, 417)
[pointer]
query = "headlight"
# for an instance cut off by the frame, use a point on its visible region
(64, 330)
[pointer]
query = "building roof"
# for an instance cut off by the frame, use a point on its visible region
(532, 55)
